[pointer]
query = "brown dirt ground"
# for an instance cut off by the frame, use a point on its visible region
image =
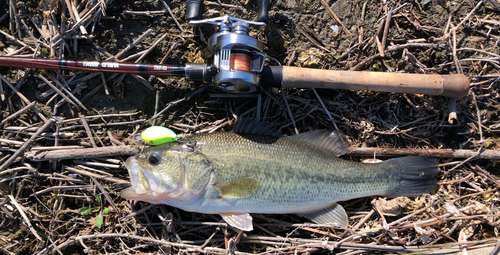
(54, 199)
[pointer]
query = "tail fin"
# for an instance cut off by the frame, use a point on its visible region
(417, 175)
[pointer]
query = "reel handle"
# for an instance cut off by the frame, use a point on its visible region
(193, 9)
(451, 85)
(262, 12)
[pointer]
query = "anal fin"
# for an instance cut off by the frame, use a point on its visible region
(334, 215)
(241, 221)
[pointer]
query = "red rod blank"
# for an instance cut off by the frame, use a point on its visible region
(93, 66)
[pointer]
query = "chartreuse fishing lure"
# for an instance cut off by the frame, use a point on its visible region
(157, 135)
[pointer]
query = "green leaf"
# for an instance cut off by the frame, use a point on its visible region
(96, 209)
(98, 199)
(99, 220)
(85, 211)
(106, 211)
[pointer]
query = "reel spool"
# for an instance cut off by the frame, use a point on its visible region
(238, 57)
(240, 61)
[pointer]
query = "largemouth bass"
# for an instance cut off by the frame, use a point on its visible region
(249, 171)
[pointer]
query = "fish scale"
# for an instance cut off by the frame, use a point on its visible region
(331, 176)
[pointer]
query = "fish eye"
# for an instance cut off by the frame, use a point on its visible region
(154, 158)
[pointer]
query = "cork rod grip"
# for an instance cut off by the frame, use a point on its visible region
(452, 85)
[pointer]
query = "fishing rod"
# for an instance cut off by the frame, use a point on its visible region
(238, 67)
(192, 71)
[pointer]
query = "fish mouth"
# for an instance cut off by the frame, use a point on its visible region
(137, 179)
(146, 186)
(133, 168)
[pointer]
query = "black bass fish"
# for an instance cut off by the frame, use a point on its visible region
(252, 170)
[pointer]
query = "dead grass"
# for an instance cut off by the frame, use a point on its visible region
(72, 205)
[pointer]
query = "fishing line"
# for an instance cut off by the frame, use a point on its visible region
(241, 60)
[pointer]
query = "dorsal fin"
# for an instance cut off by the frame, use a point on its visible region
(253, 127)
(330, 141)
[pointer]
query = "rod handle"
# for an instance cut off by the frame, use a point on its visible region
(193, 9)
(262, 12)
(451, 85)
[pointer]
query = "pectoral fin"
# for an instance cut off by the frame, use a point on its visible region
(334, 215)
(240, 188)
(241, 221)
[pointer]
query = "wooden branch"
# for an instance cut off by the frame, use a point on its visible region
(173, 16)
(26, 219)
(144, 13)
(28, 143)
(97, 176)
(129, 150)
(133, 44)
(386, 31)
(311, 39)
(19, 94)
(101, 152)
(396, 48)
(60, 92)
(32, 104)
(334, 16)
(87, 129)
(437, 153)
(301, 8)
